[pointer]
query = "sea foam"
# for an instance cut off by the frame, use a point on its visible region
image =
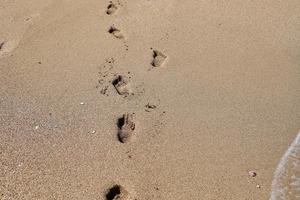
(286, 182)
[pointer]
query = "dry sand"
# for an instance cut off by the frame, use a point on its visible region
(223, 100)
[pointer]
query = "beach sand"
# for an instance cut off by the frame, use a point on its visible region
(214, 87)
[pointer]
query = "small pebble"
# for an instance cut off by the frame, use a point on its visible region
(258, 186)
(93, 131)
(36, 127)
(252, 173)
(81, 103)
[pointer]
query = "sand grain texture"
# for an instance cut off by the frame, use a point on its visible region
(229, 97)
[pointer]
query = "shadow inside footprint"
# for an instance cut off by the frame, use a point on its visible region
(115, 32)
(120, 122)
(1, 45)
(113, 192)
(117, 192)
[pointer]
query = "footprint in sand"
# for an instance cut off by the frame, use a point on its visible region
(110, 81)
(158, 58)
(122, 86)
(116, 32)
(126, 128)
(111, 8)
(7, 46)
(117, 192)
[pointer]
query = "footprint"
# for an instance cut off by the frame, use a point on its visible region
(158, 58)
(117, 192)
(31, 17)
(126, 128)
(109, 80)
(150, 107)
(111, 8)
(116, 32)
(122, 86)
(6, 47)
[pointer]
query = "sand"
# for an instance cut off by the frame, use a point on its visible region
(224, 99)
